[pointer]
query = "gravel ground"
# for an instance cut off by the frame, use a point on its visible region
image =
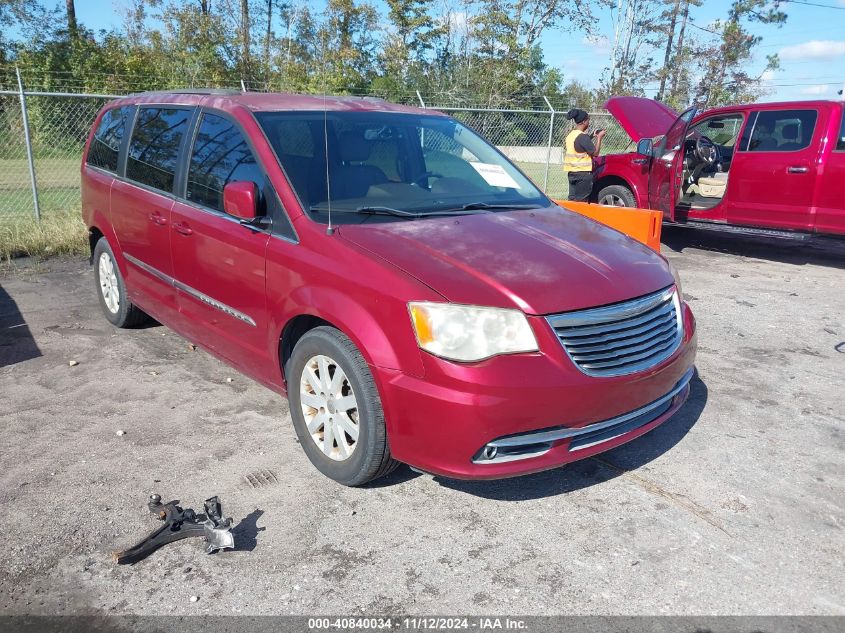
(735, 506)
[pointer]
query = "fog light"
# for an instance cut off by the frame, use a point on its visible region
(490, 452)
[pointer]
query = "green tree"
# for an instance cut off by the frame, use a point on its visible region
(726, 78)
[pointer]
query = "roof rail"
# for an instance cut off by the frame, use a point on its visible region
(191, 91)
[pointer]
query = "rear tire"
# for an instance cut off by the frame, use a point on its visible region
(616, 196)
(336, 409)
(112, 291)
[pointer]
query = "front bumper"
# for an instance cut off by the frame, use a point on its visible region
(537, 410)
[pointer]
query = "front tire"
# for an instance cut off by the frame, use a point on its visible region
(336, 409)
(616, 196)
(112, 291)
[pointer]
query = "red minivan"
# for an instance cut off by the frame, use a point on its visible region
(414, 295)
(767, 168)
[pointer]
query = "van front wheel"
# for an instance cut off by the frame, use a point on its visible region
(616, 196)
(336, 409)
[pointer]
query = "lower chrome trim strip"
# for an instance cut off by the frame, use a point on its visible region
(155, 272)
(214, 303)
(553, 435)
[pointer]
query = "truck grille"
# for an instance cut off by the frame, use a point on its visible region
(622, 338)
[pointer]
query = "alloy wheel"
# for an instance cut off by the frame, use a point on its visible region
(108, 283)
(329, 407)
(612, 200)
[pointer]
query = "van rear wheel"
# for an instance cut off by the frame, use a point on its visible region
(112, 291)
(336, 409)
(616, 196)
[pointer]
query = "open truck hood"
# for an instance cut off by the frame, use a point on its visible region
(640, 117)
(540, 260)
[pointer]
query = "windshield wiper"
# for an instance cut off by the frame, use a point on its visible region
(399, 213)
(367, 211)
(486, 205)
(387, 211)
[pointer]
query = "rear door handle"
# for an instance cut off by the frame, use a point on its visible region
(797, 169)
(184, 229)
(158, 218)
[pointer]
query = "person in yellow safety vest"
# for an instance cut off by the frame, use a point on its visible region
(580, 148)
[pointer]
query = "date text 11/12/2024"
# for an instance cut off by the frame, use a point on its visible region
(418, 623)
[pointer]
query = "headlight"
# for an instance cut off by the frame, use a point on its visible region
(677, 277)
(470, 333)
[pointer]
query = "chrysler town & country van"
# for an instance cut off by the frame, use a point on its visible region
(414, 295)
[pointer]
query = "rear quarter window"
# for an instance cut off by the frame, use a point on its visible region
(105, 146)
(781, 130)
(154, 147)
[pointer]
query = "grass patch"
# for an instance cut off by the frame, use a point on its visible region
(558, 183)
(59, 233)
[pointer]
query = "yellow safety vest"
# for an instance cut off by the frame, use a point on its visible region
(576, 161)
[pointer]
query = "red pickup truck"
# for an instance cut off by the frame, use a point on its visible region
(774, 168)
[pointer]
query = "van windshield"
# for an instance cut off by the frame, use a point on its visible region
(395, 164)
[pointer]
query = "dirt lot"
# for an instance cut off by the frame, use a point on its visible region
(737, 505)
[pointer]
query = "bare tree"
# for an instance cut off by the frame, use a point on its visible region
(635, 25)
(679, 48)
(670, 38)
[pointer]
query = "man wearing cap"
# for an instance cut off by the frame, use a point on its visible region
(578, 161)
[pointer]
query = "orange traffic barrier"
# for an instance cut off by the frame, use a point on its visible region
(642, 224)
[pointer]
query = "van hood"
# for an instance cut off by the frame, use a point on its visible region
(640, 117)
(541, 261)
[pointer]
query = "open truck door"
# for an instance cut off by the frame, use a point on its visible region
(665, 169)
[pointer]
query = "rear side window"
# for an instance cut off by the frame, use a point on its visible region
(105, 146)
(782, 130)
(220, 156)
(840, 141)
(154, 147)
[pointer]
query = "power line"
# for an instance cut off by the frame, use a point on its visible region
(701, 28)
(815, 4)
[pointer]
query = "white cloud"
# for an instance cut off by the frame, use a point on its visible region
(457, 22)
(820, 89)
(814, 49)
(571, 64)
(767, 75)
(598, 43)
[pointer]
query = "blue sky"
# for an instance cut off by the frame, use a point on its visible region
(811, 45)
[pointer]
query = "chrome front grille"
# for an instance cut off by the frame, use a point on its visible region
(622, 338)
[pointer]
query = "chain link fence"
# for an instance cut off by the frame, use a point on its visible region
(58, 126)
(533, 139)
(59, 123)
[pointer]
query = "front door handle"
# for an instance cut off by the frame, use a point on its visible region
(182, 228)
(158, 218)
(797, 169)
(639, 161)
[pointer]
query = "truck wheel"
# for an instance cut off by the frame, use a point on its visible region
(112, 291)
(336, 409)
(616, 196)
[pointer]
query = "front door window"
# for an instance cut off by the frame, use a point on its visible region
(664, 173)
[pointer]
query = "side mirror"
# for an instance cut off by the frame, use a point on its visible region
(644, 147)
(240, 199)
